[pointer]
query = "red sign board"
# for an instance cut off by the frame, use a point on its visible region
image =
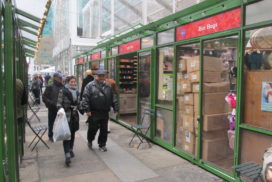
(96, 55)
(129, 47)
(80, 60)
(223, 21)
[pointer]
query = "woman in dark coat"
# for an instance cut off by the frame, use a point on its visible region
(69, 99)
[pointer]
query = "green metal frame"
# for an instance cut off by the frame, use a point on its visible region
(202, 10)
(2, 121)
(10, 88)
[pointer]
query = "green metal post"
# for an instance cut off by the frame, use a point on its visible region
(10, 87)
(2, 133)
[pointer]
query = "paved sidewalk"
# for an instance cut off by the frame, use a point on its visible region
(120, 164)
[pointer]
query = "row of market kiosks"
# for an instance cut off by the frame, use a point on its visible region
(208, 76)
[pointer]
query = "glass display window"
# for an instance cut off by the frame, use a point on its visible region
(94, 65)
(164, 125)
(219, 101)
(144, 76)
(188, 75)
(258, 78)
(102, 65)
(165, 76)
(167, 36)
(258, 12)
(103, 54)
(147, 42)
(128, 66)
(114, 51)
(112, 68)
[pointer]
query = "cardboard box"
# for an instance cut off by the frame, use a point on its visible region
(214, 103)
(215, 149)
(189, 142)
(180, 103)
(179, 118)
(193, 64)
(186, 86)
(188, 122)
(189, 99)
(160, 127)
(211, 76)
(194, 77)
(209, 64)
(207, 135)
(182, 67)
(189, 110)
(215, 122)
(216, 87)
(195, 87)
(179, 77)
(179, 89)
(196, 103)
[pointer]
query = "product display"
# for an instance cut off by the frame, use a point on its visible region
(128, 75)
(187, 98)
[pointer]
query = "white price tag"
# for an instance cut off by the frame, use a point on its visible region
(194, 77)
(184, 86)
(181, 65)
(187, 136)
(193, 64)
(187, 98)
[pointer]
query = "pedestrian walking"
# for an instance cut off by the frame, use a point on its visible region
(89, 77)
(50, 98)
(68, 99)
(35, 88)
(98, 98)
(46, 79)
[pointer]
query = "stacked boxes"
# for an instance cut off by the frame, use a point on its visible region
(187, 76)
(215, 109)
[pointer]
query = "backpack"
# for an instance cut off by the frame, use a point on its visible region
(267, 164)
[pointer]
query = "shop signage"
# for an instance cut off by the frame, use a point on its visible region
(129, 47)
(80, 60)
(96, 55)
(223, 21)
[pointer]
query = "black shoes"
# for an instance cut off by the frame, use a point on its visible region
(103, 149)
(72, 154)
(90, 145)
(67, 159)
(51, 139)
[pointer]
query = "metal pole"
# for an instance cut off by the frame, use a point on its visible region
(2, 122)
(10, 87)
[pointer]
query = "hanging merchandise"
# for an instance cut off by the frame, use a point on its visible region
(231, 100)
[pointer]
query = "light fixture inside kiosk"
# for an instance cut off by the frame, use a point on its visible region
(128, 88)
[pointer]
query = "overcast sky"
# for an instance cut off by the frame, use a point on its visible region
(34, 7)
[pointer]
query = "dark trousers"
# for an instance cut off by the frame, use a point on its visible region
(96, 123)
(68, 145)
(36, 94)
(52, 113)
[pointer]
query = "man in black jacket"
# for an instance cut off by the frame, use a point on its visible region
(85, 82)
(98, 98)
(50, 98)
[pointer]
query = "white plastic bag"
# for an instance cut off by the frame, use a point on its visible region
(61, 130)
